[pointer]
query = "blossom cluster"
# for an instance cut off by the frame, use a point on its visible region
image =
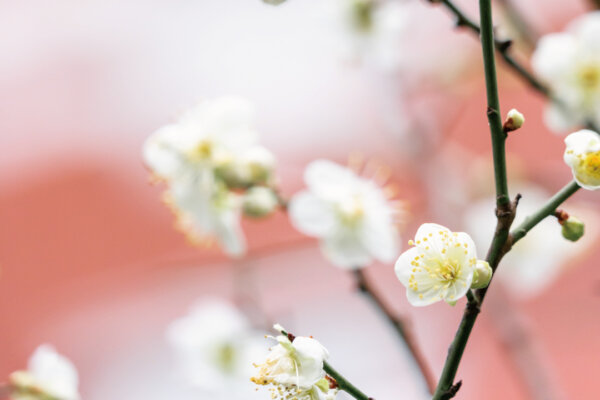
(214, 169)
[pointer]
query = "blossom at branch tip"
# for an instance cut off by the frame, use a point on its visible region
(350, 215)
(569, 62)
(215, 346)
(206, 157)
(439, 266)
(582, 154)
(294, 370)
(49, 376)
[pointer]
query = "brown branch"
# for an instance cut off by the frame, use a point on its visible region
(400, 325)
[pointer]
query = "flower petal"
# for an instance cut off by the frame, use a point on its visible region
(311, 215)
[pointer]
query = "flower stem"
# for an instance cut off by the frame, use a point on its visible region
(344, 384)
(502, 46)
(548, 209)
(400, 326)
(505, 210)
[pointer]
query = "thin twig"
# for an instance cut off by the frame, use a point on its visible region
(400, 326)
(548, 209)
(520, 344)
(505, 210)
(518, 22)
(503, 48)
(344, 384)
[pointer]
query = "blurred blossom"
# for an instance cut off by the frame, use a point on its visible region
(260, 201)
(49, 376)
(570, 63)
(440, 266)
(209, 152)
(349, 214)
(215, 347)
(370, 31)
(538, 259)
(294, 370)
(582, 154)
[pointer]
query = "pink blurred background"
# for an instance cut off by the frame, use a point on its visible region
(89, 259)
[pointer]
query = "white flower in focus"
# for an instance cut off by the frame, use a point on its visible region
(569, 63)
(49, 375)
(189, 154)
(215, 347)
(583, 156)
(538, 259)
(294, 369)
(350, 215)
(370, 30)
(440, 266)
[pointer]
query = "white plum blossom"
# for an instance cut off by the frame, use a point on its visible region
(49, 376)
(582, 154)
(440, 266)
(215, 347)
(294, 369)
(370, 31)
(569, 62)
(537, 260)
(349, 214)
(209, 152)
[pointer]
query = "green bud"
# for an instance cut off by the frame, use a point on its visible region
(273, 2)
(573, 229)
(259, 201)
(482, 275)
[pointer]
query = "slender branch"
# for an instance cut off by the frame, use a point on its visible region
(502, 46)
(446, 389)
(400, 326)
(516, 19)
(522, 347)
(505, 210)
(548, 209)
(344, 384)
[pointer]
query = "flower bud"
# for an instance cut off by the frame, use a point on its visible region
(482, 275)
(259, 201)
(514, 120)
(255, 166)
(259, 163)
(572, 229)
(273, 2)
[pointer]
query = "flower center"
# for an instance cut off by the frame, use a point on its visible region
(351, 211)
(225, 357)
(362, 15)
(201, 152)
(589, 77)
(448, 271)
(591, 165)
